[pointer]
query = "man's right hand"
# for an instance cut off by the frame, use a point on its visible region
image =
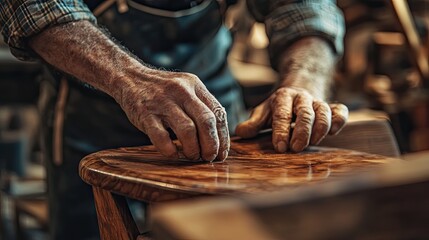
(157, 100)
(153, 100)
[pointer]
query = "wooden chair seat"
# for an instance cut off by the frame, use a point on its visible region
(252, 167)
(389, 202)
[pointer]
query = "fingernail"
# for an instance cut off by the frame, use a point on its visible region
(297, 146)
(211, 158)
(281, 147)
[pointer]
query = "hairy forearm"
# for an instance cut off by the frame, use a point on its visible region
(153, 100)
(308, 64)
(84, 51)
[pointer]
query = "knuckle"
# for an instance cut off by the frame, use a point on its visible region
(321, 106)
(190, 75)
(280, 94)
(285, 91)
(207, 118)
(305, 111)
(188, 128)
(179, 89)
(220, 115)
(192, 78)
(303, 98)
(306, 115)
(282, 115)
(338, 107)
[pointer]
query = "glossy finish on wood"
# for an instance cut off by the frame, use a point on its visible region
(252, 167)
(390, 202)
(114, 217)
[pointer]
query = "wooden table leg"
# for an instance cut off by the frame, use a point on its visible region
(114, 216)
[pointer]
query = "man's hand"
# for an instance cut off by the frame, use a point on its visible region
(314, 119)
(153, 100)
(306, 69)
(181, 102)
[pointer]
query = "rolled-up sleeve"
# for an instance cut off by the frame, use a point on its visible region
(20, 19)
(287, 21)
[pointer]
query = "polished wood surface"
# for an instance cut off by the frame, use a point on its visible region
(252, 167)
(390, 202)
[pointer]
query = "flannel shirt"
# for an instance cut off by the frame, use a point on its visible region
(20, 19)
(288, 20)
(285, 20)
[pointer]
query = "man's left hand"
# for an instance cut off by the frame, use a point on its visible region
(306, 69)
(314, 119)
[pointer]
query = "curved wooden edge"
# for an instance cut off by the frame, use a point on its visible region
(91, 172)
(97, 173)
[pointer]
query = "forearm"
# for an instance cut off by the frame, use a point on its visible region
(153, 100)
(309, 64)
(84, 51)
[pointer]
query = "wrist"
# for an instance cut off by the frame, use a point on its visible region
(128, 78)
(308, 64)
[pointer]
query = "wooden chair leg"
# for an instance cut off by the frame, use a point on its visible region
(114, 217)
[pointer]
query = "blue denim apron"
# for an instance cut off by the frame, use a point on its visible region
(93, 121)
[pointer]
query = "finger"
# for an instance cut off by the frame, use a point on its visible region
(322, 121)
(223, 132)
(303, 109)
(221, 121)
(205, 121)
(160, 137)
(258, 119)
(340, 114)
(282, 116)
(185, 130)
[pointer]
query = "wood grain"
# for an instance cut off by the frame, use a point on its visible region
(252, 167)
(390, 202)
(114, 217)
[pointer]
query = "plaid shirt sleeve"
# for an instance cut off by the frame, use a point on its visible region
(20, 19)
(288, 20)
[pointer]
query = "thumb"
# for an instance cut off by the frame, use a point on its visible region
(258, 119)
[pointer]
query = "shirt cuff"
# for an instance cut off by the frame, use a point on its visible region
(290, 22)
(28, 18)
